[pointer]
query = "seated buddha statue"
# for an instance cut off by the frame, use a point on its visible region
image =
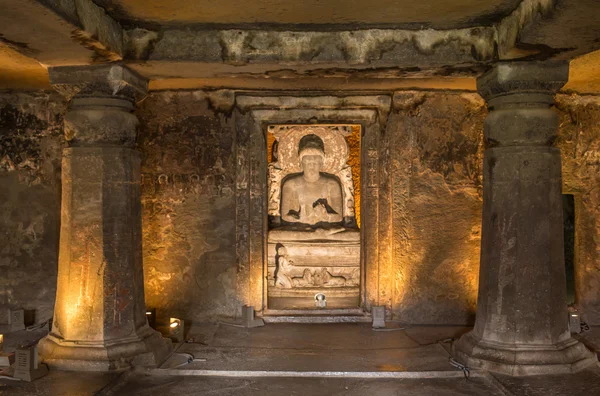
(312, 201)
(311, 197)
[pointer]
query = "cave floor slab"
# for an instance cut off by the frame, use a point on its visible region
(271, 361)
(332, 347)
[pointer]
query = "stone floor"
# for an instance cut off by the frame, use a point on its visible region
(335, 359)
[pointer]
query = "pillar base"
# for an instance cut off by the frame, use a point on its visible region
(520, 360)
(146, 348)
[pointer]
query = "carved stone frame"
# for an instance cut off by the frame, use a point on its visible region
(253, 114)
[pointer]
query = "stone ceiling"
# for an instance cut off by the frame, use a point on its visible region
(308, 45)
(437, 14)
(18, 71)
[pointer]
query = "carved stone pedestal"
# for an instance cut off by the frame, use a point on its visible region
(521, 324)
(99, 319)
(328, 267)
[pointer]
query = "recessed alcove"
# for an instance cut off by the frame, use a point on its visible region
(314, 242)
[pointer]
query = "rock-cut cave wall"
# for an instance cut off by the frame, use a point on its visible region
(188, 169)
(437, 154)
(31, 141)
(188, 206)
(579, 142)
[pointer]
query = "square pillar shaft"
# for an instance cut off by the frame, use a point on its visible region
(99, 319)
(100, 237)
(521, 325)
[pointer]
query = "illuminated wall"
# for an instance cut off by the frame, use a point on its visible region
(579, 141)
(30, 160)
(188, 207)
(437, 152)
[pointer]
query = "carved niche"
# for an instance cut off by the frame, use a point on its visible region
(309, 258)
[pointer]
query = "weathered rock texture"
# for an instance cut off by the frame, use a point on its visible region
(188, 206)
(30, 147)
(437, 149)
(579, 142)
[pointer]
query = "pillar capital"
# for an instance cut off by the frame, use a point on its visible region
(102, 98)
(105, 80)
(523, 82)
(519, 97)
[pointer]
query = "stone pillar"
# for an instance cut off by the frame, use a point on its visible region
(99, 317)
(521, 326)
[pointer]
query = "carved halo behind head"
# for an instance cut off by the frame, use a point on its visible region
(291, 139)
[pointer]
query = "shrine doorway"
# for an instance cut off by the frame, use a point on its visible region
(363, 260)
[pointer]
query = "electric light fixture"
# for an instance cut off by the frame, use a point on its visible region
(574, 321)
(176, 327)
(151, 317)
(378, 314)
(248, 317)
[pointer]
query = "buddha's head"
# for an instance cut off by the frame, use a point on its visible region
(311, 152)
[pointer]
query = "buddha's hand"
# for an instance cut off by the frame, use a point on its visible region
(320, 212)
(323, 202)
(320, 202)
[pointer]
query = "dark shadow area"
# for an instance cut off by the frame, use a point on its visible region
(569, 240)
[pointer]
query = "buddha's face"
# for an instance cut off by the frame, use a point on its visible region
(311, 166)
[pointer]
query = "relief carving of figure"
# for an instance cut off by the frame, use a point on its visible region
(283, 276)
(285, 279)
(311, 197)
